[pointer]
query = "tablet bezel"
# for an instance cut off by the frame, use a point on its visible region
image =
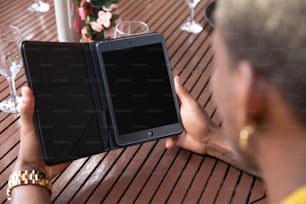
(147, 134)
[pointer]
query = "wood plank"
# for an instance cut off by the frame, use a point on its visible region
(228, 188)
(155, 179)
(200, 181)
(258, 191)
(143, 175)
(127, 177)
(214, 183)
(243, 187)
(171, 178)
(72, 186)
(185, 181)
(62, 180)
(111, 177)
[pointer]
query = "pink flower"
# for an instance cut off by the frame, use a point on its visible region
(104, 18)
(82, 3)
(84, 34)
(76, 25)
(96, 26)
(82, 13)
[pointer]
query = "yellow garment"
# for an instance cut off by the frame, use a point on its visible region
(297, 197)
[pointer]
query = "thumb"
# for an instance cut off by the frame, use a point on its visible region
(27, 109)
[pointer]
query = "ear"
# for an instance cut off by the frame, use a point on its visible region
(249, 93)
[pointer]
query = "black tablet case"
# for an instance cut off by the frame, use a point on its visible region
(90, 130)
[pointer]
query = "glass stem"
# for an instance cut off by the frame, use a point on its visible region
(191, 19)
(11, 82)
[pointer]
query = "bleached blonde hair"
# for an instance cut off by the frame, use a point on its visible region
(271, 35)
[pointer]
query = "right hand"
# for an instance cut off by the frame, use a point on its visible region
(197, 124)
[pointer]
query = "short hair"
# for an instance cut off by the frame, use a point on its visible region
(271, 35)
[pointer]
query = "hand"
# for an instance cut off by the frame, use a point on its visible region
(197, 125)
(200, 134)
(30, 156)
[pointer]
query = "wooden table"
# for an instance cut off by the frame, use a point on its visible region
(145, 173)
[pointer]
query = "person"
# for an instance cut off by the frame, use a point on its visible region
(259, 87)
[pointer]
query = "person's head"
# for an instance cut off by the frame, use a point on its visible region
(260, 58)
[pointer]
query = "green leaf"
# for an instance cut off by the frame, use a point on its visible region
(114, 1)
(87, 20)
(115, 17)
(108, 4)
(77, 2)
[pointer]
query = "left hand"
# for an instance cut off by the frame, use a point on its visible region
(30, 155)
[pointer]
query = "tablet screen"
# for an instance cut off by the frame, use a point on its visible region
(140, 88)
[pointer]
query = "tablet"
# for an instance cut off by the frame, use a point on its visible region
(99, 96)
(140, 90)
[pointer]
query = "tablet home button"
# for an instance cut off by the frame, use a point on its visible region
(150, 133)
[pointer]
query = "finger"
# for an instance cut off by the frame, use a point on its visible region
(170, 142)
(188, 142)
(181, 92)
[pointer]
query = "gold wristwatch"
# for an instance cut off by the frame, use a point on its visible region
(27, 177)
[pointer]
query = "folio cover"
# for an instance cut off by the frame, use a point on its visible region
(74, 111)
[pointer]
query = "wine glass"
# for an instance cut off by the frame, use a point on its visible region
(39, 6)
(128, 28)
(191, 26)
(10, 64)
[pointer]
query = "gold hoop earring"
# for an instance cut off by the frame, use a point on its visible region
(244, 136)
